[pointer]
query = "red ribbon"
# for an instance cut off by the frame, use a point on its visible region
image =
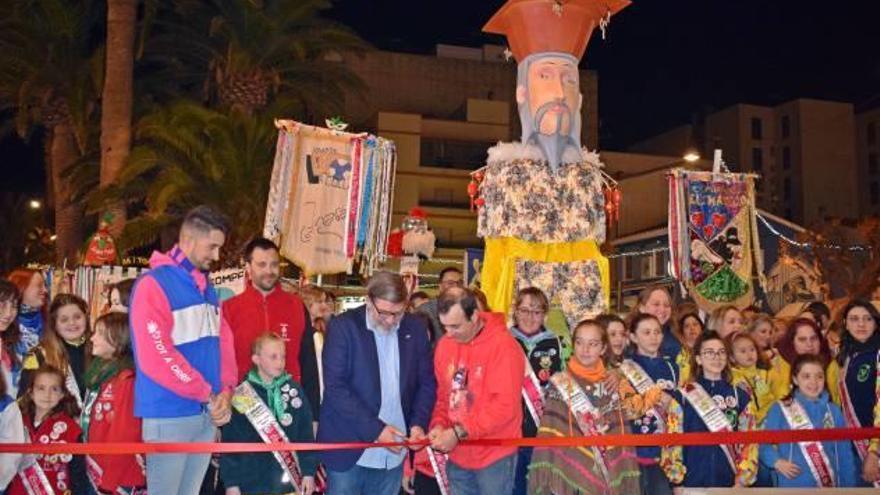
(625, 440)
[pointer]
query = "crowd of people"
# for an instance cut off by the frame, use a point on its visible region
(168, 362)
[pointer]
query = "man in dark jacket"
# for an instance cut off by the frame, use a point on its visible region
(379, 386)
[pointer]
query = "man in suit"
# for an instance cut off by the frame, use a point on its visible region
(379, 386)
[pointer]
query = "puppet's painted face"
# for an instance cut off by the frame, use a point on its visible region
(553, 94)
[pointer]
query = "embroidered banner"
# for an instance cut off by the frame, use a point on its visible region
(713, 237)
(330, 197)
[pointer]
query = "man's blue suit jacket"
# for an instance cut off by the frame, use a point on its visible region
(352, 393)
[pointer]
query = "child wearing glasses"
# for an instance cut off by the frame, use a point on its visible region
(711, 403)
(588, 399)
(543, 354)
(854, 381)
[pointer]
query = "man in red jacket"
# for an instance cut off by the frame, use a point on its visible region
(265, 307)
(479, 368)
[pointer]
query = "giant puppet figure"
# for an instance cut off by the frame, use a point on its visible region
(542, 211)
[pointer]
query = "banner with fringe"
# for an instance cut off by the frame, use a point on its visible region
(713, 239)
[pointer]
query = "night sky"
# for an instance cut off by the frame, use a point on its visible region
(666, 60)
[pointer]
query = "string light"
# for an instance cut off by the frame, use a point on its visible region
(807, 245)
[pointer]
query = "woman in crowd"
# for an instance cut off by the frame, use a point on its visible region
(808, 464)
(711, 403)
(63, 345)
(802, 337)
(854, 380)
(726, 320)
(543, 353)
(32, 287)
(655, 300)
(13, 348)
(761, 329)
(578, 403)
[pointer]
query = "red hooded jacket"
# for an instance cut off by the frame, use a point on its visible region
(478, 386)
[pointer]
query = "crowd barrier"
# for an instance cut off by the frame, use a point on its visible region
(628, 440)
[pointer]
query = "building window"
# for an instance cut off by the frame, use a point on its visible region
(448, 153)
(871, 132)
(872, 163)
(786, 158)
(875, 193)
(786, 189)
(785, 126)
(757, 160)
(757, 128)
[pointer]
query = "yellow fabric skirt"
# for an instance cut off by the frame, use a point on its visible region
(498, 275)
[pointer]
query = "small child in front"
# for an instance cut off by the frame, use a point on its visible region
(269, 406)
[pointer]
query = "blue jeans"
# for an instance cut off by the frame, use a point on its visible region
(361, 480)
(494, 479)
(179, 474)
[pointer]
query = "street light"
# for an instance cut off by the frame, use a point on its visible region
(691, 156)
(35, 204)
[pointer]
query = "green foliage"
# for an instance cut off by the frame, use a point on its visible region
(189, 155)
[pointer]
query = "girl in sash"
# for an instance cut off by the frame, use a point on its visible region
(13, 347)
(63, 345)
(854, 380)
(710, 403)
(726, 320)
(579, 402)
(808, 464)
(543, 354)
(47, 410)
(618, 338)
(802, 337)
(269, 406)
(648, 372)
(108, 409)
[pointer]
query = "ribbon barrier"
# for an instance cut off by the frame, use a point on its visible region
(621, 440)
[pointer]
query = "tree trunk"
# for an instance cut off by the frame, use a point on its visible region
(117, 98)
(63, 152)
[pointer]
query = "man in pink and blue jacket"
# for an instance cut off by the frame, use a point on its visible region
(184, 355)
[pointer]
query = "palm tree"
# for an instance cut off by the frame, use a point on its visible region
(48, 62)
(117, 97)
(188, 155)
(249, 55)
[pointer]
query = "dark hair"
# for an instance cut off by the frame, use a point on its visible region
(67, 404)
(640, 317)
(678, 326)
(463, 297)
(11, 335)
(785, 346)
(3, 387)
(448, 269)
(258, 243)
(204, 219)
(117, 333)
(696, 368)
(606, 319)
(419, 294)
(387, 286)
(796, 367)
(818, 309)
(847, 342)
(124, 288)
(482, 302)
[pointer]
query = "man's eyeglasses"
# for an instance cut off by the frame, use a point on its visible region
(390, 315)
(709, 353)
